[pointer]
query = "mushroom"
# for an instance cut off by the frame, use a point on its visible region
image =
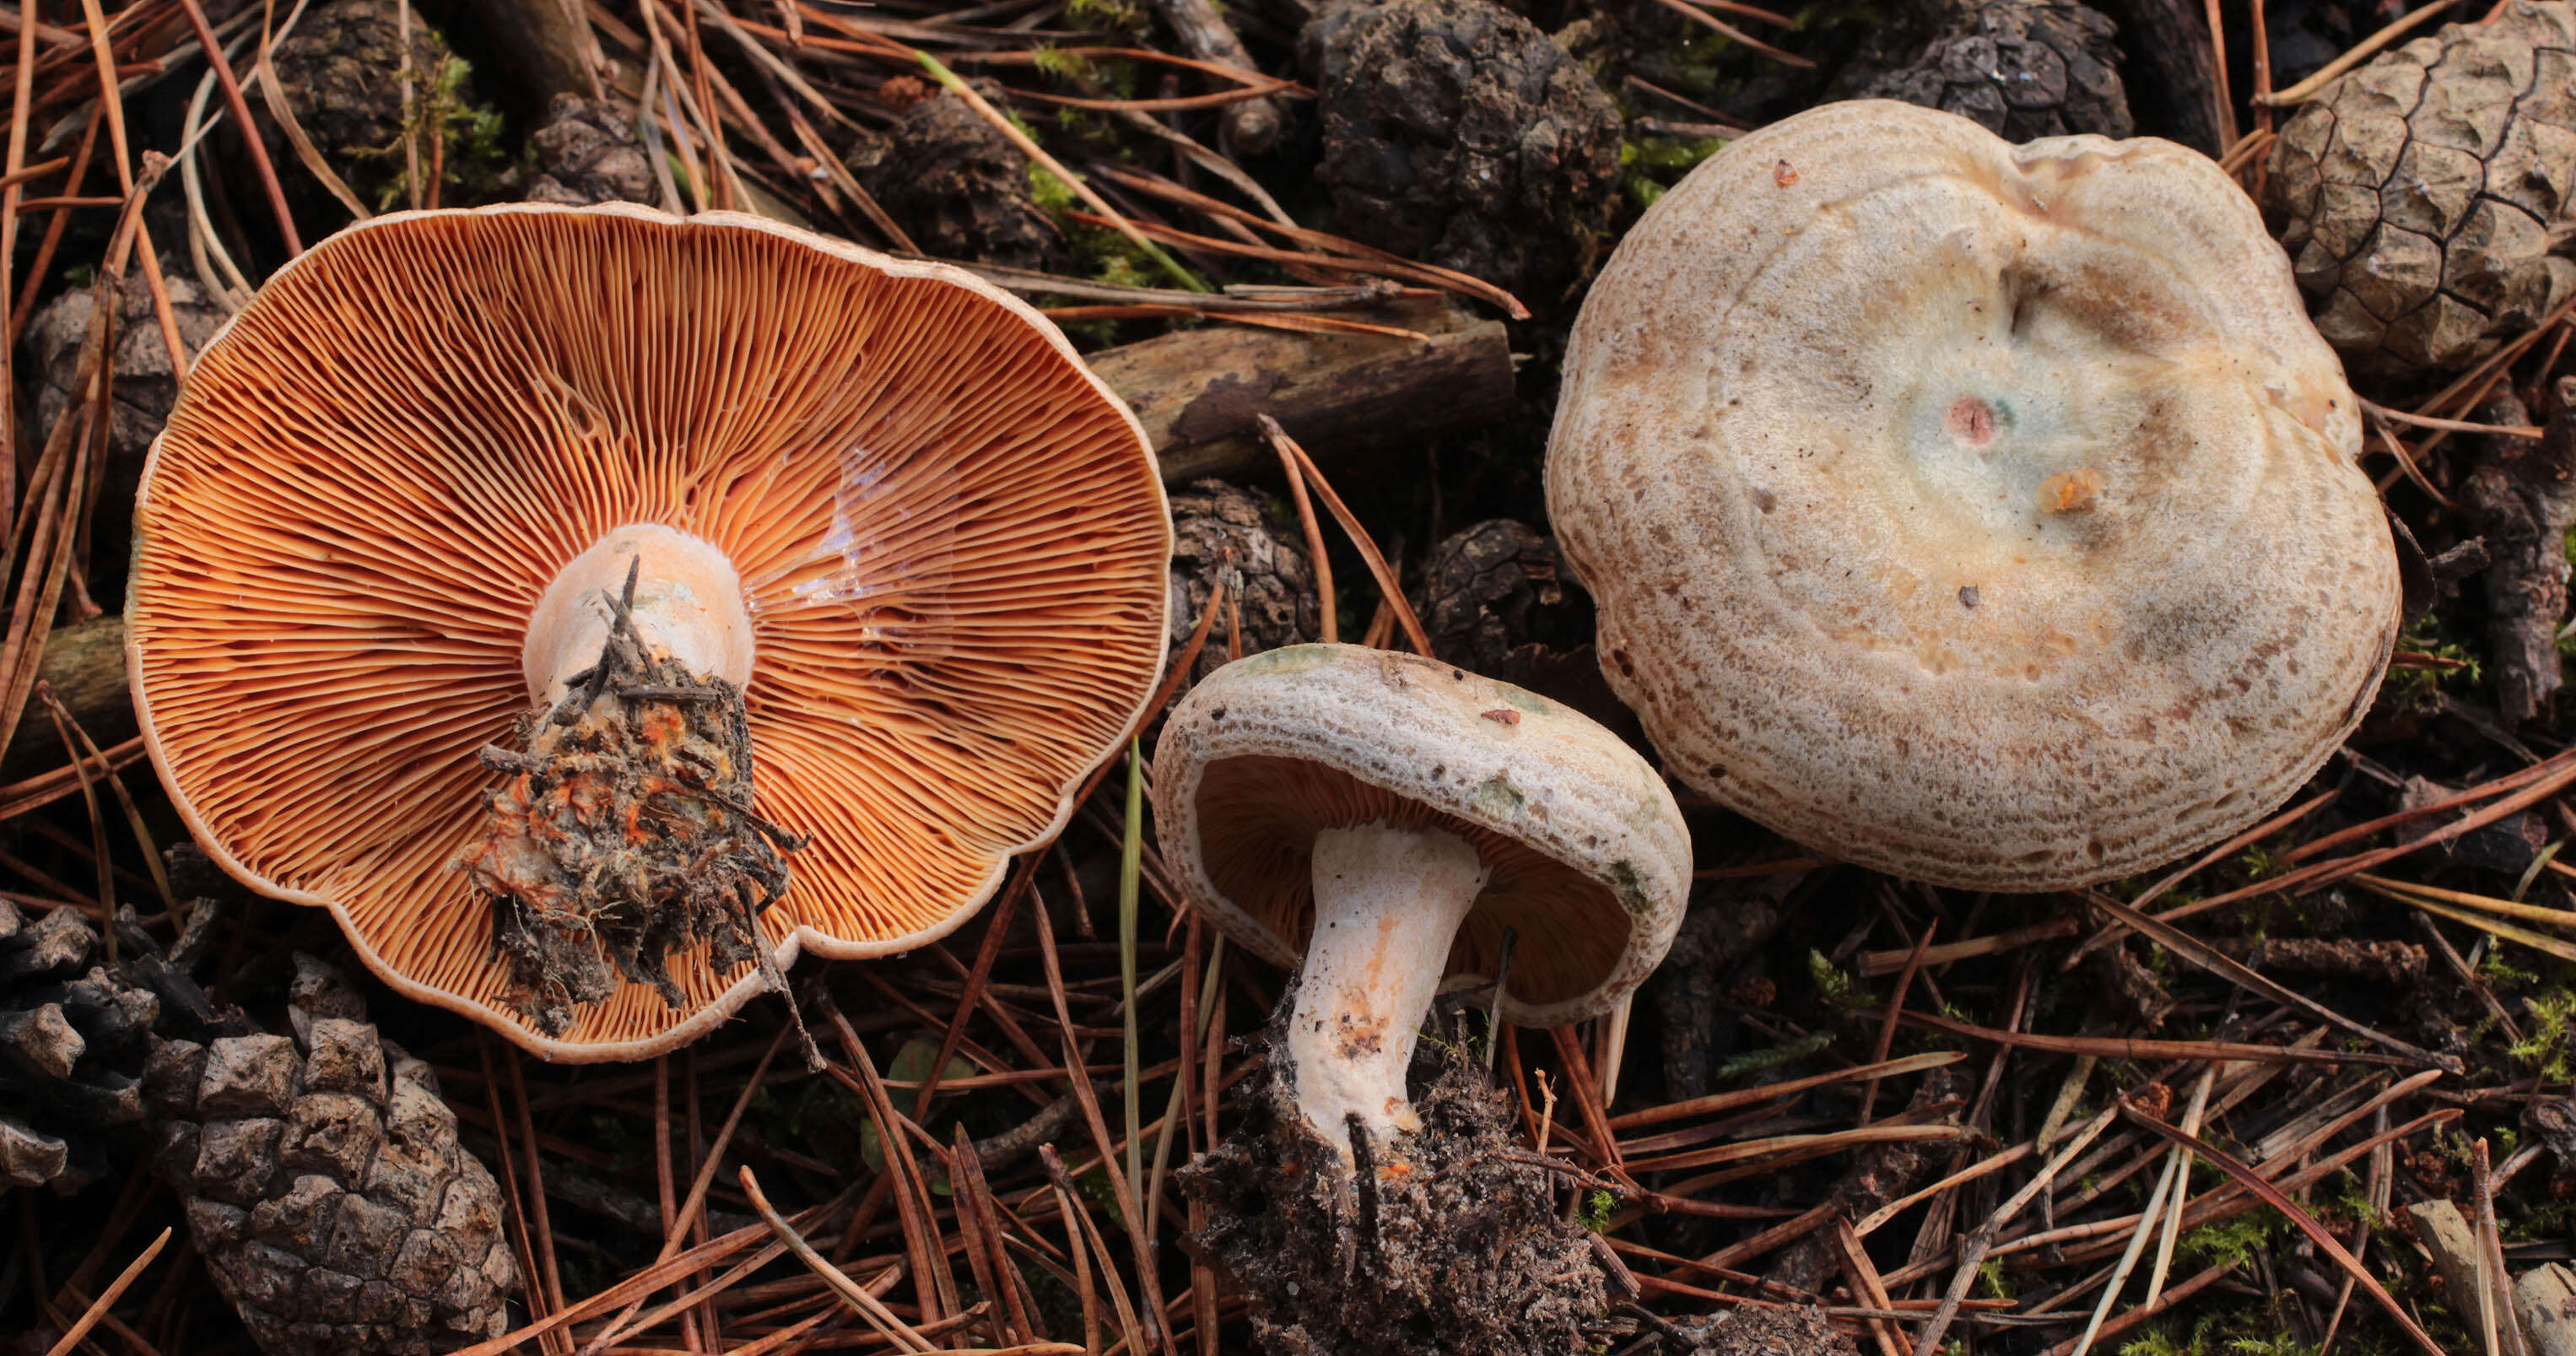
(1983, 514)
(490, 554)
(1387, 819)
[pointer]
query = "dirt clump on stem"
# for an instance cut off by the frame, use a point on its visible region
(624, 832)
(1445, 1241)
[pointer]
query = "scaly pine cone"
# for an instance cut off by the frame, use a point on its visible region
(144, 390)
(72, 1038)
(1457, 133)
(957, 186)
(1273, 590)
(2021, 70)
(2425, 195)
(1493, 588)
(588, 153)
(326, 1189)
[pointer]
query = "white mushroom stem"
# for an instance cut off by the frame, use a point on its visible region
(688, 605)
(1387, 903)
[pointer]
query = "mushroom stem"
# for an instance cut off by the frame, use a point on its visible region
(1387, 903)
(688, 606)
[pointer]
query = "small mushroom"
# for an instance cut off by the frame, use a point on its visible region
(1984, 514)
(1373, 820)
(489, 555)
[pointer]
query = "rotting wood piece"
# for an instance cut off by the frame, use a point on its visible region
(2544, 1298)
(85, 665)
(2522, 496)
(1198, 392)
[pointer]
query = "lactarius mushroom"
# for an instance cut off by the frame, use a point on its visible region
(1984, 514)
(526, 585)
(1378, 821)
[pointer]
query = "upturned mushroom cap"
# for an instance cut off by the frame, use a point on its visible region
(1983, 514)
(1589, 859)
(950, 538)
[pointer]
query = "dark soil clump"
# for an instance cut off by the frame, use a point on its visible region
(625, 832)
(1457, 1247)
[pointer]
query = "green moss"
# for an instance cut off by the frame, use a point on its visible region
(473, 160)
(2544, 1047)
(2418, 687)
(1835, 987)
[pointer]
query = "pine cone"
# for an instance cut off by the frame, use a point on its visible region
(2021, 70)
(72, 1038)
(1214, 523)
(2425, 193)
(588, 153)
(143, 391)
(1457, 133)
(1492, 588)
(957, 186)
(325, 1186)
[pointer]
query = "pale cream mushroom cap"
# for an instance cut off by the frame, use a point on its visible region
(1983, 514)
(1589, 859)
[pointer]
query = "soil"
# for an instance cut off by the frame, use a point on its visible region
(1449, 1243)
(623, 833)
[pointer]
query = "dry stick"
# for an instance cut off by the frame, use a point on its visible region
(970, 1233)
(2147, 1219)
(879, 1317)
(1895, 1004)
(1730, 1101)
(9, 194)
(2272, 1196)
(2361, 51)
(134, 185)
(2172, 1231)
(2143, 1312)
(2244, 976)
(1973, 1249)
(696, 1201)
(933, 1284)
(273, 94)
(2122, 1047)
(669, 1194)
(1252, 126)
(1134, 1336)
(2496, 1295)
(1701, 16)
(1120, 1188)
(548, 1340)
(2113, 932)
(98, 1308)
(85, 750)
(553, 1277)
(1389, 587)
(988, 951)
(97, 827)
(1021, 1306)
(948, 80)
(1876, 1219)
(1329, 629)
(1865, 1283)
(656, 1277)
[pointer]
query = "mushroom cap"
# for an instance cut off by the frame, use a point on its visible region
(1982, 514)
(951, 540)
(1590, 860)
